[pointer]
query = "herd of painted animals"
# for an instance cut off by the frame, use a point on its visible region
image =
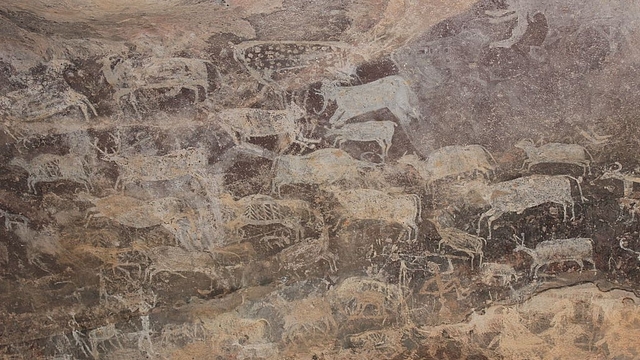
(360, 186)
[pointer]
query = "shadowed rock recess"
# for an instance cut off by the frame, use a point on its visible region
(300, 179)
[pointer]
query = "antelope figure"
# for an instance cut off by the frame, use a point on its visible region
(559, 250)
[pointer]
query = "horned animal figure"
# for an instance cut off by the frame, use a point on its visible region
(492, 272)
(520, 194)
(559, 250)
(628, 179)
(39, 103)
(369, 204)
(138, 167)
(321, 167)
(249, 122)
(611, 20)
(555, 153)
(460, 240)
(263, 210)
(391, 92)
(128, 76)
(379, 131)
(51, 168)
(452, 160)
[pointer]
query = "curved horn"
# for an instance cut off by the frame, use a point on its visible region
(618, 165)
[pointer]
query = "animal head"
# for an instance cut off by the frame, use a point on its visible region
(524, 143)
(612, 173)
(409, 159)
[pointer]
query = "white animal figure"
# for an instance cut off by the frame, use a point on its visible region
(503, 273)
(174, 260)
(51, 168)
(249, 122)
(369, 204)
(560, 250)
(379, 131)
(363, 297)
(452, 160)
(38, 103)
(324, 166)
(129, 76)
(306, 253)
(526, 192)
(628, 179)
(610, 19)
(555, 153)
(136, 213)
(462, 241)
(138, 167)
(391, 92)
(263, 210)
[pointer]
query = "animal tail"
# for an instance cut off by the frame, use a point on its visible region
(578, 181)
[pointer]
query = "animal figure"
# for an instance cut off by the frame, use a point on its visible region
(503, 273)
(139, 167)
(306, 253)
(39, 103)
(51, 168)
(128, 76)
(369, 204)
(555, 153)
(459, 240)
(379, 131)
(628, 179)
(324, 166)
(452, 160)
(526, 192)
(249, 122)
(263, 210)
(391, 92)
(611, 19)
(559, 250)
(363, 297)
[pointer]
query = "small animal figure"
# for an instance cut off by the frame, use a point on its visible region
(559, 250)
(555, 153)
(379, 131)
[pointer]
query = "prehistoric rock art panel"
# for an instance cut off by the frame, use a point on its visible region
(209, 183)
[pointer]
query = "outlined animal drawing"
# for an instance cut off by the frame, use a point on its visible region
(628, 179)
(51, 168)
(379, 131)
(128, 76)
(263, 210)
(370, 204)
(610, 19)
(555, 153)
(321, 167)
(454, 160)
(41, 102)
(559, 250)
(139, 167)
(391, 92)
(526, 192)
(461, 241)
(250, 122)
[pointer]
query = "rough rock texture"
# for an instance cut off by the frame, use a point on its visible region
(386, 179)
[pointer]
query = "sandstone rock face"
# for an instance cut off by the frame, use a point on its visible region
(386, 179)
